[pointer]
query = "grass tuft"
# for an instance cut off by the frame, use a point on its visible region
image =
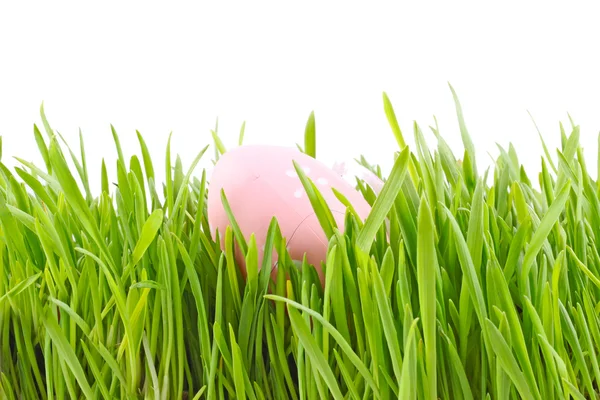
(457, 285)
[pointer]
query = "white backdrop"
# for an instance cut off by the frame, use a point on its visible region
(175, 67)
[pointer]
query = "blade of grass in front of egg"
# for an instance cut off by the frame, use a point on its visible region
(219, 145)
(239, 237)
(384, 203)
(340, 196)
(272, 242)
(320, 207)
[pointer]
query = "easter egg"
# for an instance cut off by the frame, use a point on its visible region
(351, 169)
(260, 182)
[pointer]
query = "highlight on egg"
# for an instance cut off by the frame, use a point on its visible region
(352, 169)
(260, 182)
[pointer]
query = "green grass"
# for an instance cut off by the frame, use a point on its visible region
(457, 286)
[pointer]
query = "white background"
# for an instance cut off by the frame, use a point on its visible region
(174, 67)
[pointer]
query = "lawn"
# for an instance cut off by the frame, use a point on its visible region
(460, 284)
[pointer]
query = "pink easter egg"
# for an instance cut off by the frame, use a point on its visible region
(260, 183)
(351, 169)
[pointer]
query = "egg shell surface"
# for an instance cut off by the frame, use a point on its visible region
(351, 169)
(260, 182)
